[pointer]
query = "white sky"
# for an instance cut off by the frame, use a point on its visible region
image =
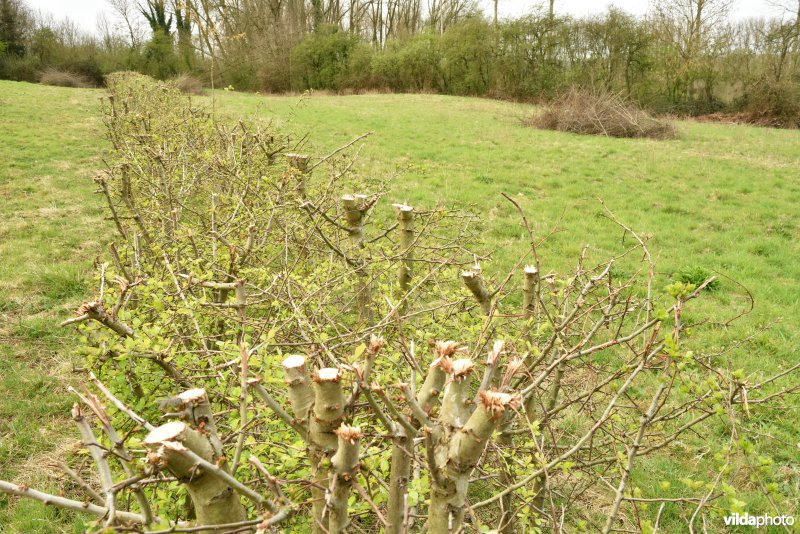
(85, 12)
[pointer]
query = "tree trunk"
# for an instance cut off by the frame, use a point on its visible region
(402, 444)
(345, 468)
(405, 221)
(323, 442)
(215, 502)
(399, 475)
(473, 279)
(459, 451)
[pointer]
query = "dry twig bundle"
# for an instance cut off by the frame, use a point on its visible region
(585, 112)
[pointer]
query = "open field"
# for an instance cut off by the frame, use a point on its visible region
(720, 197)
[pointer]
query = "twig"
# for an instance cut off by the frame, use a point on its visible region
(119, 404)
(343, 147)
(237, 454)
(69, 504)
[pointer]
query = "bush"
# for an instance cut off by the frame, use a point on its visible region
(160, 59)
(585, 112)
(64, 78)
(19, 68)
(413, 64)
(86, 66)
(468, 52)
(188, 84)
(327, 59)
(773, 104)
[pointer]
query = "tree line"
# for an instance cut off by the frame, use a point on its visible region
(684, 56)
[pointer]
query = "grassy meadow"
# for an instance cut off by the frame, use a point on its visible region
(51, 230)
(722, 198)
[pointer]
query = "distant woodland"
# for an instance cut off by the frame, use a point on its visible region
(683, 56)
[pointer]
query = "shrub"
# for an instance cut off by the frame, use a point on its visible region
(122, 78)
(468, 51)
(188, 84)
(64, 78)
(21, 69)
(600, 113)
(418, 63)
(84, 64)
(160, 58)
(327, 59)
(773, 104)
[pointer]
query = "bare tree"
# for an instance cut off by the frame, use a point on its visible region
(130, 17)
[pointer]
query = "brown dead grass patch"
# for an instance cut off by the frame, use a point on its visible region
(188, 84)
(64, 78)
(608, 114)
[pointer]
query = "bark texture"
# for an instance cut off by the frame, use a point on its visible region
(215, 502)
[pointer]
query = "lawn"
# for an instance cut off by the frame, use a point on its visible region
(720, 197)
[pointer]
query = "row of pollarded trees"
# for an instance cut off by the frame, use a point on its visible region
(298, 342)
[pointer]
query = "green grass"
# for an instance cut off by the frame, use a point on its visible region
(719, 198)
(50, 232)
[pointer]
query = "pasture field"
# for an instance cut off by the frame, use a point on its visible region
(719, 198)
(51, 230)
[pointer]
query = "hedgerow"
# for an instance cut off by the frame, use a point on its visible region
(283, 350)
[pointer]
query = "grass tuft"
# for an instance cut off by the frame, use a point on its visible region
(696, 275)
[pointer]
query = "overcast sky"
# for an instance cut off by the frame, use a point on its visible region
(85, 12)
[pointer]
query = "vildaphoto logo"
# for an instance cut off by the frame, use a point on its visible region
(758, 521)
